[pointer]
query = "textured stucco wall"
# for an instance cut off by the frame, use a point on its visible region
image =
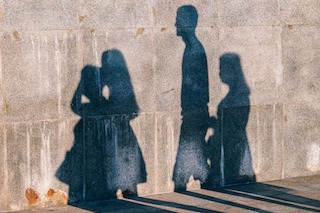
(46, 46)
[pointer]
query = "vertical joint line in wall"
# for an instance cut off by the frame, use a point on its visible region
(78, 13)
(39, 70)
(281, 90)
(153, 48)
(80, 47)
(156, 154)
(83, 163)
(218, 22)
(282, 143)
(29, 133)
(154, 61)
(280, 76)
(219, 54)
(153, 14)
(95, 49)
(58, 67)
(5, 164)
(222, 151)
(274, 129)
(172, 147)
(218, 32)
(279, 9)
(3, 90)
(169, 130)
(258, 132)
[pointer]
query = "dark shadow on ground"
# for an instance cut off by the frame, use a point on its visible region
(255, 197)
(263, 192)
(177, 205)
(273, 192)
(119, 206)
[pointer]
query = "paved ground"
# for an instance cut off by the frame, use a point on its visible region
(290, 195)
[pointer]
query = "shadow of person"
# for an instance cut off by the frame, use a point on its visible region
(191, 160)
(230, 153)
(105, 157)
(126, 167)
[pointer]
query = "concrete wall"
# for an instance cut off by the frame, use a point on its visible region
(51, 140)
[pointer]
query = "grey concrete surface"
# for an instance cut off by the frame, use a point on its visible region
(235, 13)
(106, 83)
(287, 195)
(120, 14)
(37, 15)
(296, 12)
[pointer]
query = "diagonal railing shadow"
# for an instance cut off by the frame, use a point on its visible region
(275, 192)
(173, 205)
(225, 202)
(293, 203)
(118, 206)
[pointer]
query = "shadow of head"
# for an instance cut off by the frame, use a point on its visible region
(230, 68)
(115, 76)
(186, 20)
(90, 82)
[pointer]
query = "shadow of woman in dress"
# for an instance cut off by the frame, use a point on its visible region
(126, 167)
(230, 152)
(106, 156)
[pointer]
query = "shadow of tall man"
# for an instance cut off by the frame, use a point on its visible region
(191, 160)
